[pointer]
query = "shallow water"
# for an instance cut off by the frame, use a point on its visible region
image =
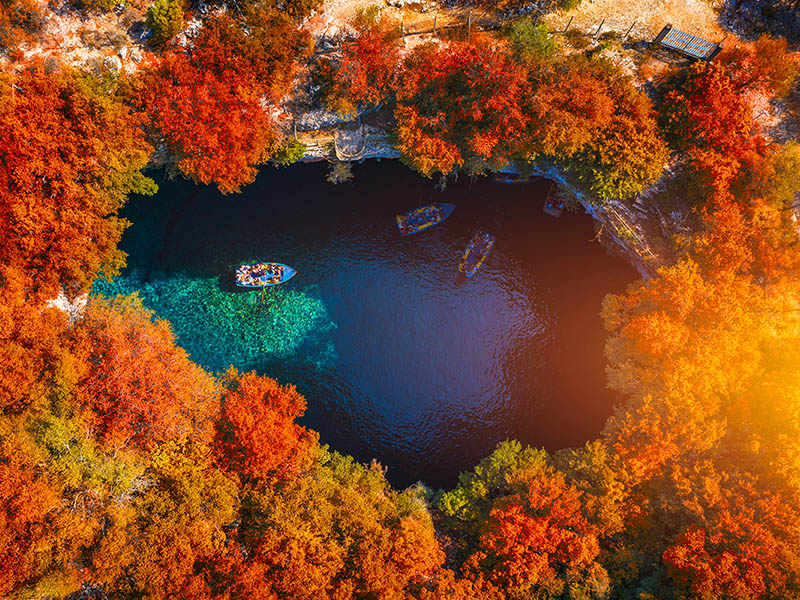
(398, 360)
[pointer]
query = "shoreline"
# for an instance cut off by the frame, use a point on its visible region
(616, 226)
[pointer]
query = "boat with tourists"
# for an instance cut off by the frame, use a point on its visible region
(423, 217)
(476, 252)
(263, 274)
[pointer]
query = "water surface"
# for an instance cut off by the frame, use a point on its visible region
(398, 360)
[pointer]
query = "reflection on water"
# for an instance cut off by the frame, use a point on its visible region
(398, 360)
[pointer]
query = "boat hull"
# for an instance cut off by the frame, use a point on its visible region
(423, 218)
(262, 282)
(475, 253)
(510, 178)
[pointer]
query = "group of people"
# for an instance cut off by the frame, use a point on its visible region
(259, 274)
(476, 252)
(426, 214)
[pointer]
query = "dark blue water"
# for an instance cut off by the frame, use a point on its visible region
(398, 360)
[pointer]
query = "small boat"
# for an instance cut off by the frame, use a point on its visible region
(262, 274)
(423, 217)
(553, 209)
(477, 250)
(553, 205)
(510, 178)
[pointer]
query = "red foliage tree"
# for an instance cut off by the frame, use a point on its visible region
(744, 549)
(214, 104)
(710, 113)
(540, 540)
(257, 433)
(459, 104)
(366, 71)
(263, 48)
(217, 126)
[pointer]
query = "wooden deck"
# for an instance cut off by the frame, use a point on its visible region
(687, 44)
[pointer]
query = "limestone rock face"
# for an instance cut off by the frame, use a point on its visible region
(112, 63)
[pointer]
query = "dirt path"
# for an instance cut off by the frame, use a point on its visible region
(698, 17)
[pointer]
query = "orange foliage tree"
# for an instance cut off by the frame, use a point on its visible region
(459, 105)
(30, 336)
(154, 544)
(569, 107)
(742, 548)
(339, 531)
(710, 113)
(26, 498)
(136, 384)
(736, 177)
(18, 20)
(257, 434)
(706, 359)
(217, 127)
(540, 542)
(70, 152)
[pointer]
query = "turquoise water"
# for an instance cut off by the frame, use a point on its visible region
(398, 358)
(220, 328)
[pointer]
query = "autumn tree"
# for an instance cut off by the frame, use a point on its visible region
(741, 545)
(627, 154)
(219, 132)
(26, 498)
(737, 181)
(529, 528)
(211, 104)
(540, 542)
(366, 70)
(19, 19)
(30, 337)
(261, 49)
(154, 545)
(570, 106)
(70, 153)
(708, 112)
(137, 385)
(257, 433)
(459, 106)
(339, 531)
(705, 357)
(766, 66)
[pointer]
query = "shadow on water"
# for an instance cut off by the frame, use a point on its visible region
(398, 358)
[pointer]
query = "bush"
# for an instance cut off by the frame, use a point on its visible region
(530, 42)
(288, 154)
(165, 19)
